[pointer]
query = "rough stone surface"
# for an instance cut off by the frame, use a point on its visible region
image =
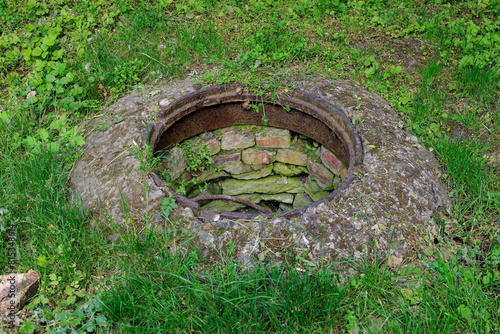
(389, 204)
(210, 140)
(231, 163)
(320, 172)
(208, 175)
(330, 161)
(273, 138)
(313, 189)
(316, 185)
(254, 156)
(301, 199)
(293, 157)
(210, 189)
(234, 140)
(288, 170)
(214, 145)
(221, 205)
(176, 164)
(264, 171)
(267, 185)
(283, 197)
(16, 290)
(229, 157)
(243, 164)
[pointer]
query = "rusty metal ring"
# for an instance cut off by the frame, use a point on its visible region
(225, 105)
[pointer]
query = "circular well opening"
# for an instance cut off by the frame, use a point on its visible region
(224, 106)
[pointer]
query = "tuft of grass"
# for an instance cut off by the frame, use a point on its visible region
(170, 296)
(50, 221)
(436, 63)
(468, 175)
(478, 82)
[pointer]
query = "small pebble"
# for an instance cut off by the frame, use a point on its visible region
(164, 103)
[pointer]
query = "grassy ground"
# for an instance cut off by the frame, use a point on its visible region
(436, 62)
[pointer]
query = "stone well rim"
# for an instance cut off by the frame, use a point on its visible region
(238, 94)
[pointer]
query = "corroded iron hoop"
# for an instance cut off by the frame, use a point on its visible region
(227, 105)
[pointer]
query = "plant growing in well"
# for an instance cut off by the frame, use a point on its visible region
(147, 158)
(198, 155)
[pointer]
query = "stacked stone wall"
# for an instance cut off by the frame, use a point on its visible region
(258, 164)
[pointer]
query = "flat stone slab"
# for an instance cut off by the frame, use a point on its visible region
(301, 199)
(262, 172)
(273, 138)
(331, 161)
(254, 156)
(231, 163)
(268, 185)
(16, 290)
(233, 140)
(389, 205)
(293, 157)
(320, 172)
(288, 170)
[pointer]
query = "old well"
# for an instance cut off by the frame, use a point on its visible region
(385, 206)
(225, 106)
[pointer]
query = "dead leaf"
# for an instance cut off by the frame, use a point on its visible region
(31, 94)
(246, 105)
(395, 261)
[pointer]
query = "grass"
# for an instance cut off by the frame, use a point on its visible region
(437, 64)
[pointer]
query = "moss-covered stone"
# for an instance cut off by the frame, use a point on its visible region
(316, 185)
(301, 199)
(208, 175)
(268, 185)
(293, 157)
(231, 163)
(313, 189)
(273, 138)
(288, 170)
(254, 156)
(175, 164)
(222, 205)
(264, 171)
(283, 197)
(285, 207)
(233, 139)
(320, 172)
(210, 189)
